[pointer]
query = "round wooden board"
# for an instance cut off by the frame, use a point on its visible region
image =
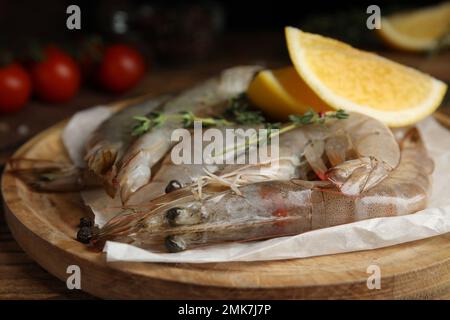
(45, 226)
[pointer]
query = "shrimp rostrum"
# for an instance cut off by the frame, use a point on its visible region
(279, 208)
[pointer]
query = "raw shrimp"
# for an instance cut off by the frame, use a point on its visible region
(195, 177)
(276, 208)
(209, 98)
(287, 166)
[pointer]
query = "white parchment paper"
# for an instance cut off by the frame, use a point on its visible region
(80, 126)
(361, 235)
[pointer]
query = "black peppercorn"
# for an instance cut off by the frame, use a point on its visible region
(86, 222)
(84, 235)
(172, 186)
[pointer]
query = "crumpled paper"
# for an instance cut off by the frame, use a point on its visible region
(361, 235)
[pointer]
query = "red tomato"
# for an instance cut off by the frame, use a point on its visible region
(15, 87)
(121, 68)
(57, 77)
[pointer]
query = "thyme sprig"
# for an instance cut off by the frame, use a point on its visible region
(311, 117)
(185, 118)
(237, 112)
(308, 118)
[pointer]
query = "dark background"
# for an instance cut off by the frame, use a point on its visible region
(45, 16)
(158, 27)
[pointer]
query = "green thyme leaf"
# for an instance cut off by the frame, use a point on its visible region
(187, 118)
(312, 116)
(146, 123)
(341, 114)
(141, 118)
(249, 117)
(239, 110)
(141, 127)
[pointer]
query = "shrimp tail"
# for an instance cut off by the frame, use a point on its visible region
(101, 159)
(50, 176)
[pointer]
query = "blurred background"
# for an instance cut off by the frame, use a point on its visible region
(184, 31)
(170, 45)
(145, 19)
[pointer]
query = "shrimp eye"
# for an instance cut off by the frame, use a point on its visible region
(172, 186)
(173, 245)
(172, 215)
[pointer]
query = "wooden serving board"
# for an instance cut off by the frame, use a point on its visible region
(45, 226)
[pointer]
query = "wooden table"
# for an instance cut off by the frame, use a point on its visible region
(20, 277)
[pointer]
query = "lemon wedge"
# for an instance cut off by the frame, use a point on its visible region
(347, 78)
(417, 30)
(281, 92)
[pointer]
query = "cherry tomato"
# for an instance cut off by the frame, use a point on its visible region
(121, 68)
(57, 77)
(15, 87)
